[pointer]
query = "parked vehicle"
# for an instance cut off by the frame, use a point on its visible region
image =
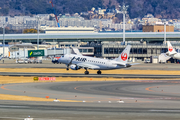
(147, 61)
(38, 61)
(55, 60)
(34, 61)
(22, 60)
(31, 61)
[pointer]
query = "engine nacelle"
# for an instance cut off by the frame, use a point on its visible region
(167, 53)
(128, 65)
(74, 67)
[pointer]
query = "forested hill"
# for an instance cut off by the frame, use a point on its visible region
(137, 8)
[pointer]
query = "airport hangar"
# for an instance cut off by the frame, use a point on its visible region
(144, 44)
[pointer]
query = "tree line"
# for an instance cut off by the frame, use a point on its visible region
(137, 8)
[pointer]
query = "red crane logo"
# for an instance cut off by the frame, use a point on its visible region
(124, 56)
(170, 48)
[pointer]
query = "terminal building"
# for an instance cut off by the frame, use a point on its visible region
(105, 45)
(138, 50)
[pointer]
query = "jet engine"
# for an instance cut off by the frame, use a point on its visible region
(128, 65)
(74, 67)
(167, 53)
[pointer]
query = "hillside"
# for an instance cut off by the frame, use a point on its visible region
(137, 8)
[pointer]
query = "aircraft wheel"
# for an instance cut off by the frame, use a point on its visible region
(67, 68)
(86, 72)
(99, 72)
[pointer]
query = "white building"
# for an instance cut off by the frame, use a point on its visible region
(68, 29)
(6, 50)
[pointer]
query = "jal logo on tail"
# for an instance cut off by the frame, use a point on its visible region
(124, 56)
(170, 48)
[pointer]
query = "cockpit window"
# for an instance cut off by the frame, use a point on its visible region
(62, 56)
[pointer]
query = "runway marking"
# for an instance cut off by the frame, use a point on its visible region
(160, 90)
(3, 87)
(148, 89)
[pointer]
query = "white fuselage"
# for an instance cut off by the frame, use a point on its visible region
(176, 56)
(102, 64)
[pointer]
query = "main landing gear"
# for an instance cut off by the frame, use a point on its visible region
(86, 72)
(67, 68)
(99, 72)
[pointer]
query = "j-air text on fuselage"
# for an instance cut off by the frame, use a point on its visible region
(77, 61)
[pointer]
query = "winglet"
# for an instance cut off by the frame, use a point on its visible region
(171, 50)
(124, 55)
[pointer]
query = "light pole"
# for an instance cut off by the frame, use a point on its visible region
(3, 39)
(164, 32)
(124, 11)
(54, 48)
(38, 33)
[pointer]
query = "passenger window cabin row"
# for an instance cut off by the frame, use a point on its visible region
(96, 61)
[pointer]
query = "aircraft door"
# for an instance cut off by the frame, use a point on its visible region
(108, 64)
(68, 59)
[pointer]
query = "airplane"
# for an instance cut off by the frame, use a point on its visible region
(76, 62)
(171, 52)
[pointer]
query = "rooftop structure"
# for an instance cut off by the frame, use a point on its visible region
(84, 37)
(68, 29)
(157, 28)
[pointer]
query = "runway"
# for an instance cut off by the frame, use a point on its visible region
(90, 75)
(151, 99)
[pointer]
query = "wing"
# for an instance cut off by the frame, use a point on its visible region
(124, 64)
(87, 66)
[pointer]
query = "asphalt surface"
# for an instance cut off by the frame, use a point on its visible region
(149, 100)
(90, 75)
(145, 100)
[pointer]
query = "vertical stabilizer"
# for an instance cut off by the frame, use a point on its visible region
(124, 55)
(171, 50)
(76, 51)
